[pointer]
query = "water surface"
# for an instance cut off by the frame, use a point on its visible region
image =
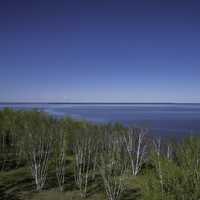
(161, 119)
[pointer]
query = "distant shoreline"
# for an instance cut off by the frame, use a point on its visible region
(101, 103)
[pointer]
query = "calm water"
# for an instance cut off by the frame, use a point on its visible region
(161, 119)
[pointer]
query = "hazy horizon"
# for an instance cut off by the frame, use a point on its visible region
(89, 102)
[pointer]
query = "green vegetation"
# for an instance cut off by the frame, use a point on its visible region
(42, 157)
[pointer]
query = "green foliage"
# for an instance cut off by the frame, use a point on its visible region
(173, 176)
(179, 176)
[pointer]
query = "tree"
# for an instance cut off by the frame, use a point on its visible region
(112, 166)
(84, 149)
(38, 146)
(134, 140)
(60, 154)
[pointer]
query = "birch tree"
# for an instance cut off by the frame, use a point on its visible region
(60, 156)
(157, 148)
(8, 139)
(84, 154)
(113, 167)
(38, 144)
(3, 154)
(134, 141)
(5, 141)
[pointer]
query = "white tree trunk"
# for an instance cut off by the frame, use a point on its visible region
(84, 154)
(112, 167)
(134, 141)
(157, 146)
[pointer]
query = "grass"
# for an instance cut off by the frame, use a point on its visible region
(69, 195)
(14, 183)
(18, 185)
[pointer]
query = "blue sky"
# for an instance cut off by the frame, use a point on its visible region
(100, 51)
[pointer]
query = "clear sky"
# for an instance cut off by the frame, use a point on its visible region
(100, 50)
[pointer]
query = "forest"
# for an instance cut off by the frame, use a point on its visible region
(44, 157)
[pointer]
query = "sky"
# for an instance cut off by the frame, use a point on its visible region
(100, 51)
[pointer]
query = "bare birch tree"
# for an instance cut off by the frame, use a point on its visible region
(169, 151)
(83, 151)
(157, 147)
(38, 150)
(134, 141)
(8, 150)
(60, 157)
(8, 140)
(112, 167)
(3, 154)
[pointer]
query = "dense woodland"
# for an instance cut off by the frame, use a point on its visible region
(43, 157)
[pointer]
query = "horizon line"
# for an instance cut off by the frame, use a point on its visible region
(37, 102)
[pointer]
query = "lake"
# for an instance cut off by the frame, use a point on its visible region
(161, 119)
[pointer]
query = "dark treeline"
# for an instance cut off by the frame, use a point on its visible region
(114, 158)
